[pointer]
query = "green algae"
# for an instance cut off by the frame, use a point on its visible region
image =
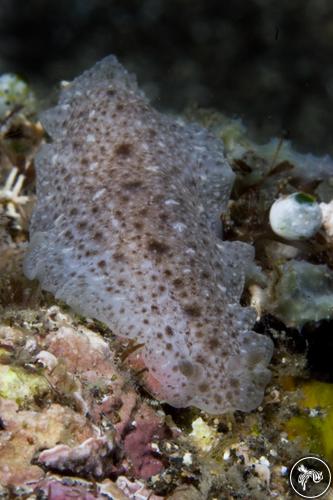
(15, 93)
(315, 428)
(302, 292)
(305, 198)
(19, 385)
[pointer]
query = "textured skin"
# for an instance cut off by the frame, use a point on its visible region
(124, 231)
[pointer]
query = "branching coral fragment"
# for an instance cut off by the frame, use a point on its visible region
(10, 196)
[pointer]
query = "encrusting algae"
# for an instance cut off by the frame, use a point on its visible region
(314, 426)
(20, 386)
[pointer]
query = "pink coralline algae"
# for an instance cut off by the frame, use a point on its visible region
(99, 429)
(148, 429)
(94, 457)
(125, 230)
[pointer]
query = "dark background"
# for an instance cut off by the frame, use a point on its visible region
(267, 61)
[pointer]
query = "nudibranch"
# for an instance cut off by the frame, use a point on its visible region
(125, 230)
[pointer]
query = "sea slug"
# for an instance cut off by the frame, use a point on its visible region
(125, 230)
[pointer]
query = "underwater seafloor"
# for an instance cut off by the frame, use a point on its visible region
(75, 420)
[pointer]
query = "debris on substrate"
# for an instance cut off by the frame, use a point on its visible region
(75, 420)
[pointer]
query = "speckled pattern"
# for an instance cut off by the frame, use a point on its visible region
(125, 230)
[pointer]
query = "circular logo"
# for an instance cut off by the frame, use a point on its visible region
(310, 477)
